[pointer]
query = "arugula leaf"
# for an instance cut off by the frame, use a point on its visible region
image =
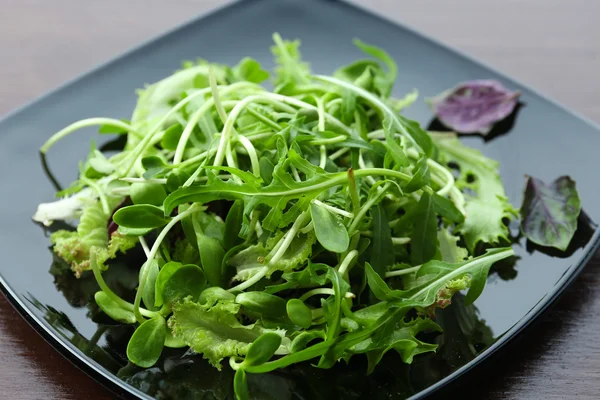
(382, 253)
(438, 274)
(423, 241)
(382, 82)
(400, 338)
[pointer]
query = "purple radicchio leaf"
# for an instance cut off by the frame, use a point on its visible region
(474, 106)
(549, 212)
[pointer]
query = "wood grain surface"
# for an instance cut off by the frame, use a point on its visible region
(552, 45)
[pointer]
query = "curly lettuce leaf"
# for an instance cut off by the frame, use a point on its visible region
(487, 208)
(74, 246)
(252, 259)
(213, 330)
(449, 249)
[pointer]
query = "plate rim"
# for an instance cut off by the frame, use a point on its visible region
(122, 389)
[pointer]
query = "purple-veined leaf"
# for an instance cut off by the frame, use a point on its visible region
(549, 212)
(474, 106)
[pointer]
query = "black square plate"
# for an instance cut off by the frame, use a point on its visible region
(546, 141)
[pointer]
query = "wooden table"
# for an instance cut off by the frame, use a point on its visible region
(551, 44)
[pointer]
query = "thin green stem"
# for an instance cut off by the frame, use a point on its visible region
(144, 271)
(281, 247)
(112, 295)
(96, 188)
(334, 210)
(84, 123)
(267, 121)
(366, 207)
(371, 98)
(251, 153)
(344, 266)
(401, 272)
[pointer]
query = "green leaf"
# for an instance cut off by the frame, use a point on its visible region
(211, 258)
(189, 280)
(299, 313)
(446, 208)
(419, 135)
(359, 72)
(423, 244)
(266, 169)
(240, 385)
(477, 268)
(549, 212)
(163, 276)
(330, 231)
(122, 230)
(299, 343)
(175, 179)
(395, 149)
(449, 249)
(348, 106)
(146, 343)
(420, 177)
(382, 249)
(263, 303)
(141, 216)
(233, 224)
(377, 284)
(171, 137)
(149, 293)
(113, 309)
(100, 164)
(401, 339)
(153, 162)
(436, 275)
(248, 69)
(147, 193)
(173, 342)
(315, 274)
(215, 294)
(289, 69)
(383, 82)
(262, 349)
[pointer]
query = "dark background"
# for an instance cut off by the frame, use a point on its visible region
(552, 45)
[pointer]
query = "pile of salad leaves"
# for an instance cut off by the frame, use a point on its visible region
(312, 222)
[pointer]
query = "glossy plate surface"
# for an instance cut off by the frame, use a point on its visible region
(544, 140)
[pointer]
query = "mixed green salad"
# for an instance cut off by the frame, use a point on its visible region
(308, 223)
